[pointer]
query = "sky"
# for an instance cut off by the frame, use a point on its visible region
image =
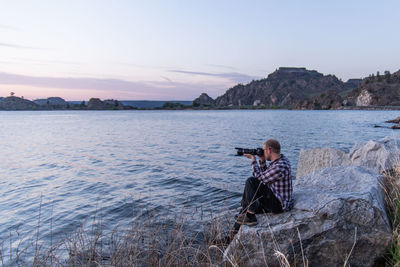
(176, 50)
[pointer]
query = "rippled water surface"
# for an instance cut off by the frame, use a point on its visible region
(121, 163)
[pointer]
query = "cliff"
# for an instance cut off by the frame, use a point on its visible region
(284, 88)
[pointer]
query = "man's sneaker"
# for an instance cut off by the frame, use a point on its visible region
(244, 219)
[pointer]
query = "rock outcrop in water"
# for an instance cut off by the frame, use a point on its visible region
(339, 213)
(17, 103)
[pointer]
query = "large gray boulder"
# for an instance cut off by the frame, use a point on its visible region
(380, 155)
(339, 214)
(311, 160)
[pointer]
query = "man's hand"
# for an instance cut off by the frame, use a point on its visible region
(262, 158)
(249, 156)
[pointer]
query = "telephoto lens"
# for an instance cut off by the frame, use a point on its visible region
(257, 151)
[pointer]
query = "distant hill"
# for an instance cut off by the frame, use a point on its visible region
(284, 88)
(150, 104)
(377, 90)
(17, 103)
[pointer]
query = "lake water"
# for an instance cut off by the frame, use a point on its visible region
(74, 164)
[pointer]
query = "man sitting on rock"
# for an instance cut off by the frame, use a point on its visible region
(270, 189)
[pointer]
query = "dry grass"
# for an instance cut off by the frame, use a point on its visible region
(151, 241)
(392, 199)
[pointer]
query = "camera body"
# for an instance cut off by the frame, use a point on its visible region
(252, 151)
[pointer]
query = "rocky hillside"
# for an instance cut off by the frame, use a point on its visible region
(285, 87)
(327, 100)
(377, 90)
(203, 100)
(52, 103)
(17, 103)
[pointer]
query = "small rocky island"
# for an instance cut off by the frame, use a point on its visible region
(57, 103)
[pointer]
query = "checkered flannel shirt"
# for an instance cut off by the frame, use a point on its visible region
(278, 177)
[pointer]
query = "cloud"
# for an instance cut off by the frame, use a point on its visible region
(232, 76)
(166, 78)
(164, 90)
(18, 46)
(222, 66)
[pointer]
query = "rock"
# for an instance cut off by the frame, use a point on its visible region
(311, 160)
(379, 155)
(17, 103)
(364, 99)
(395, 127)
(335, 208)
(203, 100)
(397, 120)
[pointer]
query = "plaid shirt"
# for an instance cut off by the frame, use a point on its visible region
(278, 177)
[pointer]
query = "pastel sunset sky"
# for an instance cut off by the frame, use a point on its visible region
(175, 50)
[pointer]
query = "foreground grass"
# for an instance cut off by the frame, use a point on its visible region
(151, 241)
(392, 198)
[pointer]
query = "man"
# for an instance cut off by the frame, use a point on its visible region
(270, 189)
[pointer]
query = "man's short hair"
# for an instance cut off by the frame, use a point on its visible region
(274, 145)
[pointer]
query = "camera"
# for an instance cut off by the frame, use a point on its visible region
(252, 151)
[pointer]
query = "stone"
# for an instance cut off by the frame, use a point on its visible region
(364, 99)
(380, 155)
(397, 120)
(339, 214)
(311, 160)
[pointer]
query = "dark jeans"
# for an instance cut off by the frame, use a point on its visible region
(258, 198)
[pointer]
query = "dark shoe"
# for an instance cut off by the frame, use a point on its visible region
(244, 219)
